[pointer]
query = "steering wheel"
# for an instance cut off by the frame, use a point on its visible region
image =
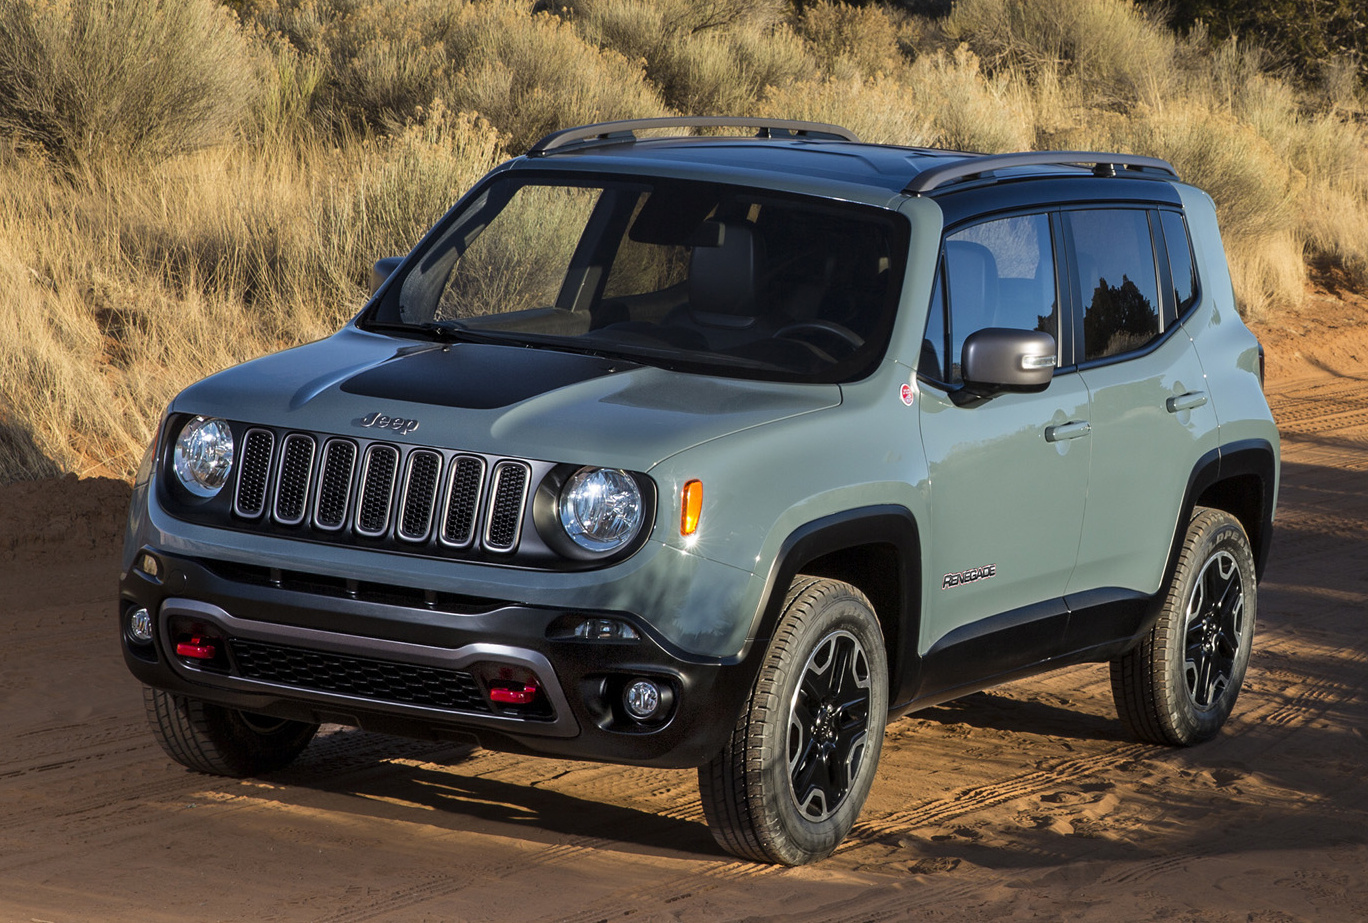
(827, 330)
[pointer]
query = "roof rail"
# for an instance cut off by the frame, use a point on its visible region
(624, 130)
(1102, 164)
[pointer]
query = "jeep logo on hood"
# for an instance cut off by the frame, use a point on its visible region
(379, 421)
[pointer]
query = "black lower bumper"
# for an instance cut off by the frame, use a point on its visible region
(415, 664)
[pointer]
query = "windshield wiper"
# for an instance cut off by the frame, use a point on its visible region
(450, 332)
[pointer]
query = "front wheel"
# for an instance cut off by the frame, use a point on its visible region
(1180, 684)
(792, 778)
(223, 741)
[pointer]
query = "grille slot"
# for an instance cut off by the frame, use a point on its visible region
(377, 680)
(377, 490)
(250, 501)
(419, 495)
(334, 484)
(462, 501)
(292, 485)
(503, 526)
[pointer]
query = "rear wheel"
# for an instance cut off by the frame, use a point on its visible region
(1180, 684)
(223, 741)
(790, 782)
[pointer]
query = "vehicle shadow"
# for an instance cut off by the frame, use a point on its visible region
(994, 711)
(438, 784)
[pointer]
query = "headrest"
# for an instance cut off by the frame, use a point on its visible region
(973, 283)
(724, 279)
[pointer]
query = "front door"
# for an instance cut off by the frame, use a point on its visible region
(1008, 477)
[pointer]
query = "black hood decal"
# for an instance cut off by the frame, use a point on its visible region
(477, 376)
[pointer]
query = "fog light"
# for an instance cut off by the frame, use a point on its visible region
(140, 626)
(642, 699)
(605, 630)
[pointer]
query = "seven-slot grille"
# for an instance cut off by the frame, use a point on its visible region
(335, 485)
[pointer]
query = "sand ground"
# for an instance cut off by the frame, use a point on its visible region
(1024, 803)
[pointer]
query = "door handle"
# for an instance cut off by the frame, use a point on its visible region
(1071, 430)
(1190, 401)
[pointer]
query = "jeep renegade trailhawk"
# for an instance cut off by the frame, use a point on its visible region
(718, 451)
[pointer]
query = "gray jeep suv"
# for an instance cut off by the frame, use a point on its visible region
(719, 451)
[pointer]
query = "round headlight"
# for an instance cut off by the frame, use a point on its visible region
(204, 456)
(601, 509)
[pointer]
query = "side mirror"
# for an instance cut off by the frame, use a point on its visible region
(382, 270)
(1002, 359)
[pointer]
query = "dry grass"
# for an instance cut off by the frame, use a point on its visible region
(227, 196)
(116, 292)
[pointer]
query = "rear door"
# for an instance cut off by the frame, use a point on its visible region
(1151, 418)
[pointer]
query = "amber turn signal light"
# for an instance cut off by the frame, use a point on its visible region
(691, 507)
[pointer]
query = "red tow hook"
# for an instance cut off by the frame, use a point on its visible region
(196, 649)
(506, 696)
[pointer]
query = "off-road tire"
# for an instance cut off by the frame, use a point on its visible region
(1179, 685)
(223, 741)
(816, 714)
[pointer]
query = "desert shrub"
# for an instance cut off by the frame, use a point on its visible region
(86, 79)
(372, 64)
(1119, 52)
(866, 37)
(1302, 35)
(875, 108)
(941, 100)
(627, 24)
(706, 58)
(290, 96)
(385, 63)
(723, 74)
(531, 73)
(972, 111)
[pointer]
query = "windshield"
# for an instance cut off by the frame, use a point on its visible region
(695, 276)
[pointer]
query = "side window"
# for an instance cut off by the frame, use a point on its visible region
(1181, 266)
(932, 363)
(1000, 274)
(1117, 277)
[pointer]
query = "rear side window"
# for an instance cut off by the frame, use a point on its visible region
(998, 273)
(1181, 266)
(1115, 271)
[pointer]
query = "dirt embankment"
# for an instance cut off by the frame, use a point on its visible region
(60, 518)
(1026, 803)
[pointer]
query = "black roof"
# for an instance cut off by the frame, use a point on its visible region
(818, 154)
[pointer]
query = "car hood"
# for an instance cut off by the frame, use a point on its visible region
(496, 400)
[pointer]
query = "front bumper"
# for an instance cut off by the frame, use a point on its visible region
(422, 664)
